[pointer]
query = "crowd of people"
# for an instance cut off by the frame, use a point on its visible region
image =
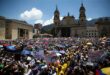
(54, 56)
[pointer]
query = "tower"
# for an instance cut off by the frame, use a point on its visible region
(68, 14)
(82, 15)
(57, 17)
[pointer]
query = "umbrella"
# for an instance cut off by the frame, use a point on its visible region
(59, 45)
(5, 44)
(55, 54)
(56, 51)
(29, 58)
(26, 52)
(62, 51)
(89, 43)
(11, 48)
(46, 39)
(58, 54)
(45, 66)
(39, 54)
(46, 43)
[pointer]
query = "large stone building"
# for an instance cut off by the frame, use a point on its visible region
(15, 29)
(69, 26)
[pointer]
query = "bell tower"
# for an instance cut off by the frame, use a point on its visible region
(82, 15)
(56, 17)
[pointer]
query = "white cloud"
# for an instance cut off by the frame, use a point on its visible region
(36, 15)
(50, 21)
(89, 19)
(46, 22)
(32, 14)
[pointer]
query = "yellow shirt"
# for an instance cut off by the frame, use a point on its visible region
(61, 73)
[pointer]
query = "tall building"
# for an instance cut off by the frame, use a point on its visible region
(15, 29)
(82, 15)
(56, 17)
(69, 26)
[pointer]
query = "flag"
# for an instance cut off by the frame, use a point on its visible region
(103, 71)
(98, 72)
(106, 70)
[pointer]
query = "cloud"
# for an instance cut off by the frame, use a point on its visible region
(50, 21)
(36, 15)
(89, 19)
(32, 14)
(46, 22)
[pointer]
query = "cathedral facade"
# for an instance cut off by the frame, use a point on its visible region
(69, 27)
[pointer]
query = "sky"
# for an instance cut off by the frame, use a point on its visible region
(41, 11)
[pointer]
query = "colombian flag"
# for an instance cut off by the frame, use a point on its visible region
(103, 71)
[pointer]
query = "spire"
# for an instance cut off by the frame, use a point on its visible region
(68, 14)
(56, 16)
(82, 5)
(56, 11)
(56, 7)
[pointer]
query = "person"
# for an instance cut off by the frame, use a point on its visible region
(72, 62)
